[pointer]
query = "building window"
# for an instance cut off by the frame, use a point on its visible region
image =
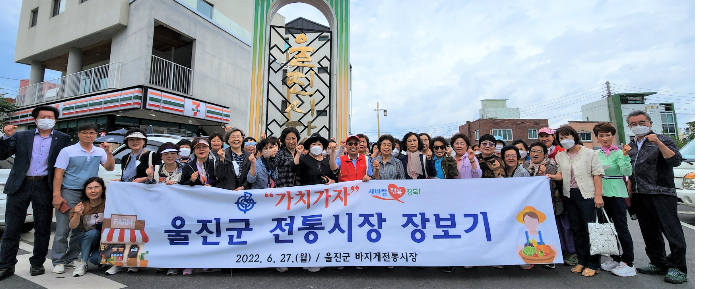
(506, 134)
(668, 123)
(205, 8)
(322, 70)
(585, 136)
(58, 7)
(477, 134)
(33, 17)
(532, 134)
(323, 38)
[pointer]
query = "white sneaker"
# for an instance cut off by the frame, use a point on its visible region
(281, 269)
(312, 269)
(609, 265)
(73, 264)
(58, 269)
(624, 270)
(80, 269)
(172, 271)
(132, 269)
(113, 270)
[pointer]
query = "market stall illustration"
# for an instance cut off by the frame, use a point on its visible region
(123, 241)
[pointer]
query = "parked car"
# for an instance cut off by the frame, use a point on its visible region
(154, 142)
(684, 175)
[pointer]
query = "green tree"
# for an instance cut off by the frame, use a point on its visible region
(6, 107)
(691, 130)
(679, 142)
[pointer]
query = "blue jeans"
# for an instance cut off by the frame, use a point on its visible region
(89, 244)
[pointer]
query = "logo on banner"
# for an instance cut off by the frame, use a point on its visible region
(393, 193)
(245, 203)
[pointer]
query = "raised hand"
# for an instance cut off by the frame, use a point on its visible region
(220, 153)
(106, 147)
(194, 176)
(9, 129)
(376, 165)
(299, 149)
(79, 209)
(625, 149)
(495, 164)
(149, 172)
(375, 151)
(252, 159)
(653, 138)
(448, 151)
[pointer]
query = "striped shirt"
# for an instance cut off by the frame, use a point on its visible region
(391, 170)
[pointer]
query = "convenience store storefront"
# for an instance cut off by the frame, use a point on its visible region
(141, 107)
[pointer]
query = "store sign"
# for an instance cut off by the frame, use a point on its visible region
(376, 223)
(112, 101)
(171, 103)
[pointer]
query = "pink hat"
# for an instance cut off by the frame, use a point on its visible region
(201, 141)
(546, 130)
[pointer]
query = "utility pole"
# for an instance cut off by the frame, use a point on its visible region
(378, 118)
(608, 89)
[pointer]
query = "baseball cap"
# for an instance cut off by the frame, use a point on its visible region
(546, 130)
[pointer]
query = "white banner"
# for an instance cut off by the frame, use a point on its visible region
(470, 222)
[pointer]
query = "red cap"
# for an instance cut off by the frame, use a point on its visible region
(352, 136)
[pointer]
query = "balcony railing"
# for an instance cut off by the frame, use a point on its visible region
(170, 75)
(83, 82)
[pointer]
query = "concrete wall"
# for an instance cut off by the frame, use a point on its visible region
(80, 24)
(596, 111)
(586, 127)
(240, 11)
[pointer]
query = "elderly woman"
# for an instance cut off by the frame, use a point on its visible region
(170, 171)
(314, 167)
(385, 166)
(250, 145)
(467, 164)
(617, 165)
(199, 171)
(287, 158)
(491, 164)
(441, 164)
(580, 172)
(426, 142)
(233, 164)
(547, 136)
(413, 161)
(135, 163)
(215, 142)
(511, 159)
(523, 149)
(263, 172)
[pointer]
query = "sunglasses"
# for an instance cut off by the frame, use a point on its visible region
(436, 148)
(353, 143)
(250, 143)
(488, 144)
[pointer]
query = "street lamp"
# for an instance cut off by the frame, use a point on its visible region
(378, 118)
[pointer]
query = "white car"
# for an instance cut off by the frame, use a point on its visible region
(154, 141)
(684, 175)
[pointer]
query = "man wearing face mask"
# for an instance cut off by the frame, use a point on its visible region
(30, 180)
(654, 198)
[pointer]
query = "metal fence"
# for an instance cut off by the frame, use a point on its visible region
(83, 82)
(170, 75)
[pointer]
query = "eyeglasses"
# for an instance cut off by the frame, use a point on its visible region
(511, 156)
(436, 148)
(488, 144)
(633, 124)
(250, 143)
(353, 143)
(536, 152)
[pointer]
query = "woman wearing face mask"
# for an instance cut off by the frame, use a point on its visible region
(314, 167)
(413, 161)
(523, 149)
(397, 149)
(467, 164)
(233, 164)
(500, 143)
(540, 165)
(491, 164)
(441, 164)
(184, 151)
(476, 149)
(263, 173)
(385, 166)
(580, 173)
(250, 145)
(135, 163)
(547, 136)
(287, 158)
(617, 164)
(511, 158)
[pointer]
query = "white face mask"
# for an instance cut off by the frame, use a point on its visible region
(184, 152)
(567, 143)
(477, 152)
(499, 148)
(45, 123)
(395, 152)
(523, 154)
(316, 150)
(640, 130)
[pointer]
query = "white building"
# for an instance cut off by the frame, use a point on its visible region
(497, 108)
(182, 66)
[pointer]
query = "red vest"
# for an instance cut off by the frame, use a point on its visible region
(348, 172)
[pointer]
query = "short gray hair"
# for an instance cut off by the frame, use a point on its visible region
(232, 130)
(637, 113)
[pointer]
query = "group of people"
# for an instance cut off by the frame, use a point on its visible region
(53, 174)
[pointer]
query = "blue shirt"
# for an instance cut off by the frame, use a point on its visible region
(79, 165)
(439, 170)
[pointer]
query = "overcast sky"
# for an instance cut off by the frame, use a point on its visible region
(429, 63)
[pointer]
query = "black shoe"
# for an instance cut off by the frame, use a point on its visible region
(7, 272)
(36, 270)
(448, 269)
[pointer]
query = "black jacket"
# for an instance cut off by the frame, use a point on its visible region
(652, 173)
(191, 167)
(20, 144)
(143, 158)
(224, 171)
(426, 170)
